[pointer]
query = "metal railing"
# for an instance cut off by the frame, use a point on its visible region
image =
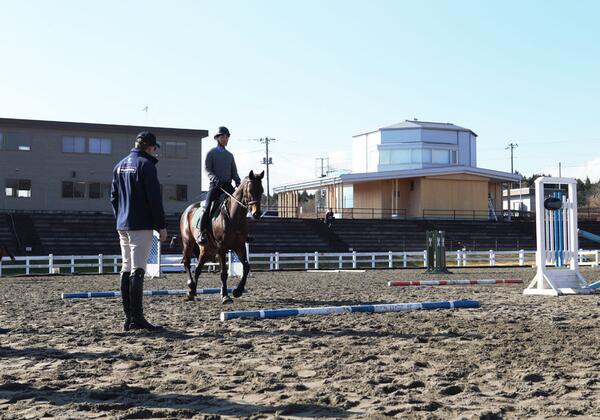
(104, 264)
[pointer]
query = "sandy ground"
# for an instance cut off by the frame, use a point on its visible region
(515, 357)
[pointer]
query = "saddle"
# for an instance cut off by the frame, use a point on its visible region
(214, 212)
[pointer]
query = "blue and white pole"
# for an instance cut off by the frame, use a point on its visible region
(327, 310)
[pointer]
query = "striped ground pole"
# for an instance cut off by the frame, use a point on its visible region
(595, 285)
(86, 295)
(453, 282)
(327, 310)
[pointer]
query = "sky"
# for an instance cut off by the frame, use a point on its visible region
(312, 74)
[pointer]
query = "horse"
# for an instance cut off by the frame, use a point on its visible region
(229, 231)
(5, 252)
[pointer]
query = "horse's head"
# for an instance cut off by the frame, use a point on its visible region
(253, 191)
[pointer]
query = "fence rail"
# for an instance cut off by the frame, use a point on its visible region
(52, 264)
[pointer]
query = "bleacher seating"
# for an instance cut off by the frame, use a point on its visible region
(72, 233)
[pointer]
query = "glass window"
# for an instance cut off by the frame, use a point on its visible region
(16, 141)
(100, 146)
(440, 156)
(99, 190)
(454, 157)
(426, 155)
(175, 149)
(19, 188)
(348, 193)
(384, 157)
(72, 189)
(73, 144)
(400, 156)
(175, 192)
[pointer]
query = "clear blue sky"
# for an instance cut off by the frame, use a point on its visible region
(313, 73)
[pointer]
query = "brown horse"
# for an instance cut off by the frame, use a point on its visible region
(5, 252)
(229, 232)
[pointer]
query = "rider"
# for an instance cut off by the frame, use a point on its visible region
(221, 169)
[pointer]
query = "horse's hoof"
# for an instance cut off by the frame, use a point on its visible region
(237, 293)
(226, 300)
(189, 298)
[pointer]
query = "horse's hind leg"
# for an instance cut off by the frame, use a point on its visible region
(239, 290)
(224, 296)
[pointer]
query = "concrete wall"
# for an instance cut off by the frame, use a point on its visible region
(46, 165)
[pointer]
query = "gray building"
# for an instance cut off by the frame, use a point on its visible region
(67, 166)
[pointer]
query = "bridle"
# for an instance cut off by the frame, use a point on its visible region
(247, 205)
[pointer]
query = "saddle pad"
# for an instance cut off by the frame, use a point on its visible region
(197, 217)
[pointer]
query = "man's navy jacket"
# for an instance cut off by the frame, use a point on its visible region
(135, 193)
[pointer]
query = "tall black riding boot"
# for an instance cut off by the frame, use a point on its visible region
(136, 293)
(126, 299)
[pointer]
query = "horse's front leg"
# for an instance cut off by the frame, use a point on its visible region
(239, 290)
(225, 299)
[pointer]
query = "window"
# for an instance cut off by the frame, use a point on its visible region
(440, 156)
(175, 192)
(400, 156)
(19, 188)
(384, 157)
(73, 144)
(72, 189)
(99, 190)
(15, 141)
(100, 146)
(348, 193)
(174, 149)
(454, 157)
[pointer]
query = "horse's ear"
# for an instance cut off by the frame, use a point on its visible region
(251, 175)
(261, 175)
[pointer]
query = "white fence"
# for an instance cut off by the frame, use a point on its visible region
(289, 261)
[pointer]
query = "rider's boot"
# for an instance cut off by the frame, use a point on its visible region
(136, 293)
(125, 295)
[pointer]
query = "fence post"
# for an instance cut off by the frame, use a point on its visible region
(390, 260)
(100, 264)
(306, 261)
(115, 265)
(276, 260)
(26, 265)
(522, 257)
(271, 262)
(340, 262)
(404, 259)
(492, 258)
(425, 258)
(458, 258)
(50, 263)
(353, 259)
(316, 260)
(72, 264)
(373, 264)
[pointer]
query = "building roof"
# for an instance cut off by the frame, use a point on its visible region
(412, 124)
(399, 174)
(67, 125)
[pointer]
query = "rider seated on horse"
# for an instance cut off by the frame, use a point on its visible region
(221, 169)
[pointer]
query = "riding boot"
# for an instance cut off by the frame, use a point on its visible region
(203, 238)
(126, 299)
(136, 293)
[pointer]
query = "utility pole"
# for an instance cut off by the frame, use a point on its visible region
(267, 161)
(510, 146)
(322, 160)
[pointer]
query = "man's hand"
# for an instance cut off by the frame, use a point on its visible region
(163, 234)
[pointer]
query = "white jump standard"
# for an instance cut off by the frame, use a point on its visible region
(557, 242)
(328, 310)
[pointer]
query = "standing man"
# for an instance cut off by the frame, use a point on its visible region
(137, 206)
(221, 169)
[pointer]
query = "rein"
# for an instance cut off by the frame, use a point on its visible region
(238, 201)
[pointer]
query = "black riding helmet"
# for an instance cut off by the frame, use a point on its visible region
(221, 131)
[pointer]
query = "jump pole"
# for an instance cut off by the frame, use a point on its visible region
(452, 282)
(328, 310)
(557, 243)
(88, 295)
